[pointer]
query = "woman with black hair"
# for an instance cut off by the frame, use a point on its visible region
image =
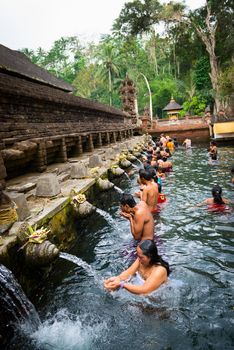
(217, 202)
(149, 268)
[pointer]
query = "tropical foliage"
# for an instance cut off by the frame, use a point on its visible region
(191, 59)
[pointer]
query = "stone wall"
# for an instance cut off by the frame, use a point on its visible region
(194, 128)
(197, 135)
(40, 125)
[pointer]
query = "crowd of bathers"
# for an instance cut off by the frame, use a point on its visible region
(151, 269)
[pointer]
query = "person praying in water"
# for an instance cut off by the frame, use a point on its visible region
(139, 216)
(149, 269)
(149, 193)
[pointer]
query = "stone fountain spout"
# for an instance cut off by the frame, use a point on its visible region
(81, 207)
(116, 171)
(36, 247)
(104, 185)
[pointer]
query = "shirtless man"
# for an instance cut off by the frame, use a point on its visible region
(165, 164)
(187, 143)
(213, 151)
(139, 216)
(149, 193)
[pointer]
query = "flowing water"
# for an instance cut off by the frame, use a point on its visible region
(106, 216)
(78, 261)
(139, 162)
(194, 310)
(16, 311)
(118, 189)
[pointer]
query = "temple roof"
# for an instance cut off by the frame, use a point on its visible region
(21, 88)
(16, 63)
(172, 106)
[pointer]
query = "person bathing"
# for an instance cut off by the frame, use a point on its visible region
(139, 216)
(149, 268)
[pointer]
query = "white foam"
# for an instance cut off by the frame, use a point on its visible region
(64, 331)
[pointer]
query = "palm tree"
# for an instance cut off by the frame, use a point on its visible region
(107, 57)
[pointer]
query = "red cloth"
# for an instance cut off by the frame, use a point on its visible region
(161, 198)
(218, 207)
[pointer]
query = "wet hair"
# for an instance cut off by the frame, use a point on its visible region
(127, 199)
(159, 156)
(146, 175)
(217, 194)
(150, 250)
(152, 172)
(213, 143)
(232, 169)
(141, 171)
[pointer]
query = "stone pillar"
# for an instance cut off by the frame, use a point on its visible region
(108, 138)
(62, 156)
(120, 136)
(3, 173)
(99, 139)
(41, 157)
(114, 137)
(79, 147)
(90, 143)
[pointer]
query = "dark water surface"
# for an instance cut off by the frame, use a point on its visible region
(194, 310)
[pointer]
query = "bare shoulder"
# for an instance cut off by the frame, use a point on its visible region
(209, 201)
(160, 273)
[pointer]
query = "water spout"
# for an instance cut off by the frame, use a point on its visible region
(118, 189)
(109, 219)
(79, 262)
(126, 175)
(106, 216)
(134, 166)
(140, 163)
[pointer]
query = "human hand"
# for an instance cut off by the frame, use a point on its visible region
(125, 215)
(112, 283)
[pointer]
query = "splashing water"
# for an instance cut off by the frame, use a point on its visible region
(66, 331)
(15, 306)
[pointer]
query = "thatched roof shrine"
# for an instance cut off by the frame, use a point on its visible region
(173, 106)
(16, 63)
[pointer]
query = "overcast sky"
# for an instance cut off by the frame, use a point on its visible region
(38, 23)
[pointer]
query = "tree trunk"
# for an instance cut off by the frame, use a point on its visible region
(208, 38)
(110, 87)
